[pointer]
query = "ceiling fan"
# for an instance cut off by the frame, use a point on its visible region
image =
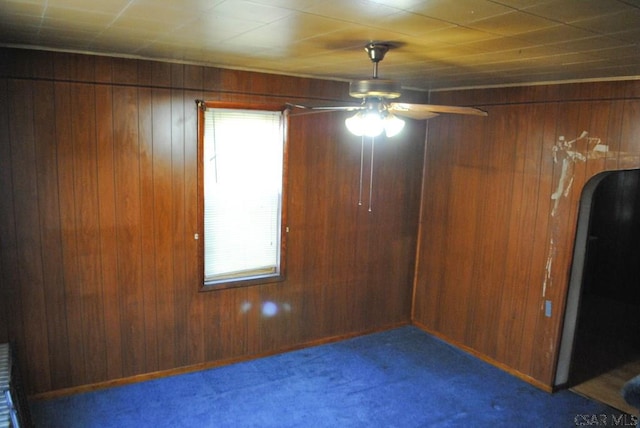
(376, 113)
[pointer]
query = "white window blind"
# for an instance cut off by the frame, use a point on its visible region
(243, 161)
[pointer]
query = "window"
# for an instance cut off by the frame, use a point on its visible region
(242, 170)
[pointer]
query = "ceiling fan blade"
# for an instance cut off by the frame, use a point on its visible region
(412, 114)
(346, 107)
(426, 111)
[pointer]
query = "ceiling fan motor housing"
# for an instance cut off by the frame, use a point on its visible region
(378, 88)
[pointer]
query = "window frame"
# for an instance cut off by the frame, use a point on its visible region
(242, 281)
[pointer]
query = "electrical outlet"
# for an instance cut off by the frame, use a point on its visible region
(547, 308)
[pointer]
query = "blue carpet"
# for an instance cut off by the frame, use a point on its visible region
(397, 378)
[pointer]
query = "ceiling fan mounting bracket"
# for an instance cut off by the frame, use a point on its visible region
(377, 51)
(375, 87)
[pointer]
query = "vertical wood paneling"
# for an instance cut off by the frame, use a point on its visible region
(162, 189)
(65, 177)
(128, 234)
(459, 267)
(600, 121)
(108, 229)
(178, 230)
(29, 251)
(99, 210)
(489, 256)
(5, 209)
(542, 185)
(148, 226)
(630, 135)
(528, 144)
(433, 222)
(520, 248)
(49, 216)
(98, 177)
(87, 230)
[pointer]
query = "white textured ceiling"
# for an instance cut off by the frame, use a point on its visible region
(440, 43)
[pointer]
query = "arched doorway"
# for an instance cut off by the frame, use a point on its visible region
(601, 335)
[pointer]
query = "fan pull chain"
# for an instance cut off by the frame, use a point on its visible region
(361, 169)
(373, 139)
(362, 172)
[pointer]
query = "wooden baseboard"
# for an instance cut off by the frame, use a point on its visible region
(219, 363)
(201, 366)
(487, 359)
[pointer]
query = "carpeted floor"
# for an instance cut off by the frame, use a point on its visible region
(397, 378)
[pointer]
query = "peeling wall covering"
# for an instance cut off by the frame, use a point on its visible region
(570, 155)
(566, 154)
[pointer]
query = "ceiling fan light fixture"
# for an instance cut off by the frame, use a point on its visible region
(372, 123)
(393, 125)
(366, 122)
(355, 124)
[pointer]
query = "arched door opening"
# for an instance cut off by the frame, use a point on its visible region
(601, 337)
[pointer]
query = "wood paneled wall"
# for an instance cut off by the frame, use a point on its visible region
(98, 181)
(499, 209)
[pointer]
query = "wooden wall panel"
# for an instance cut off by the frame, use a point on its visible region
(28, 244)
(178, 227)
(99, 178)
(108, 240)
(128, 227)
(147, 225)
(64, 145)
(49, 216)
(499, 209)
(5, 211)
(87, 237)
